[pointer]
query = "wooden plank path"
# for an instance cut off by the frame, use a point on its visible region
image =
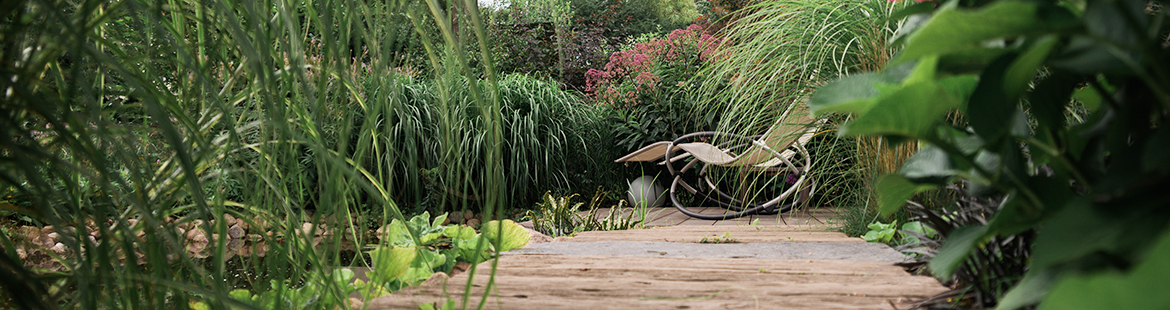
(699, 281)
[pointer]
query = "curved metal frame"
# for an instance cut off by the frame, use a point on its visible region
(740, 208)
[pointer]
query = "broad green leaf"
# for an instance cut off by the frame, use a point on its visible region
(1048, 101)
(1154, 158)
(955, 250)
(199, 306)
(971, 60)
(954, 29)
(924, 71)
(911, 111)
(419, 223)
(1097, 51)
(1089, 97)
(391, 263)
(893, 190)
(459, 232)
(467, 250)
(1029, 291)
(929, 165)
(1144, 287)
(1017, 215)
(396, 235)
(416, 275)
(917, 227)
(988, 161)
(241, 295)
(1072, 233)
(850, 94)
(513, 235)
(966, 142)
(856, 93)
(342, 276)
(429, 259)
(960, 86)
(438, 222)
(428, 238)
(989, 104)
(1023, 69)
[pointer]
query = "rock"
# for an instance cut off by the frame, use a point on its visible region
(235, 232)
(197, 241)
(456, 217)
(53, 236)
(537, 237)
(47, 229)
(131, 222)
(435, 280)
(447, 221)
(307, 229)
(234, 245)
(28, 231)
(472, 222)
(196, 233)
(229, 219)
(59, 248)
(43, 240)
(242, 224)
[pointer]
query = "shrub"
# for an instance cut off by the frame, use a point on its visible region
(650, 85)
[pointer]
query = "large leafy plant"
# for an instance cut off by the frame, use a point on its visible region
(1018, 72)
(414, 250)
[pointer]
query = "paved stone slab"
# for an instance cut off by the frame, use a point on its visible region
(855, 251)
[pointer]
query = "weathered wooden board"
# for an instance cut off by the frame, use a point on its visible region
(593, 282)
(696, 233)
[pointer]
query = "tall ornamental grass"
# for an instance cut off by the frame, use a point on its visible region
(776, 52)
(136, 128)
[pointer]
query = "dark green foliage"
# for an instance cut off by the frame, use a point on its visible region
(1091, 192)
(624, 18)
(546, 133)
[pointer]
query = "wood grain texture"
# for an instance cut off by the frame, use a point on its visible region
(594, 282)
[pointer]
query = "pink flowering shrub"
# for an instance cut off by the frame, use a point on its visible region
(650, 68)
(648, 85)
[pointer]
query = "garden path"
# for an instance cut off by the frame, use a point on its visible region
(788, 262)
